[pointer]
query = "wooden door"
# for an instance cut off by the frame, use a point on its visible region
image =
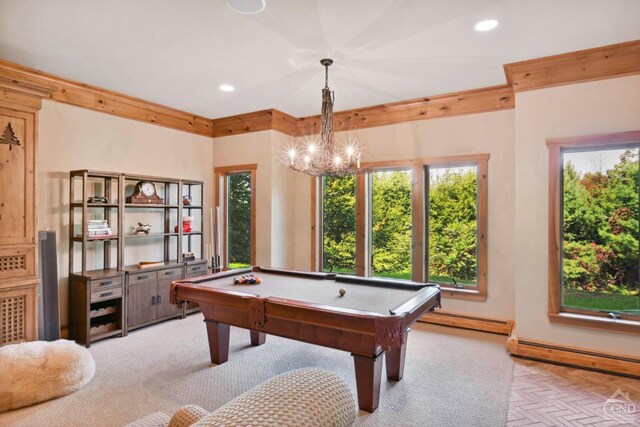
(141, 303)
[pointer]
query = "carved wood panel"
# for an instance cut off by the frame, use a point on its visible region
(17, 165)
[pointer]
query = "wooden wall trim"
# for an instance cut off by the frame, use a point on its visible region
(102, 100)
(574, 356)
(256, 121)
(477, 323)
(603, 62)
(574, 67)
(591, 64)
(452, 104)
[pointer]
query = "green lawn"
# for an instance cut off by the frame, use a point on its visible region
(234, 265)
(598, 301)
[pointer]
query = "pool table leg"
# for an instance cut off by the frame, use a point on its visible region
(218, 334)
(257, 337)
(368, 372)
(394, 360)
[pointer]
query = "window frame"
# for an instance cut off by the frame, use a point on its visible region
(320, 222)
(221, 176)
(368, 218)
(556, 312)
(419, 231)
(481, 163)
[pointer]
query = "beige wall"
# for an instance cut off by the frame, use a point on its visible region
(275, 207)
(583, 109)
(74, 138)
(479, 133)
(290, 225)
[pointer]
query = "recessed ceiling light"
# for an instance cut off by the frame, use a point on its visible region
(487, 25)
(227, 88)
(247, 7)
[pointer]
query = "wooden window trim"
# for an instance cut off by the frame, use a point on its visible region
(477, 293)
(557, 313)
(364, 192)
(480, 291)
(221, 175)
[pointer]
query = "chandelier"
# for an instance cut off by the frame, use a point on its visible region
(319, 157)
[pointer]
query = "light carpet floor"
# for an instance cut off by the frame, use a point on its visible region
(452, 377)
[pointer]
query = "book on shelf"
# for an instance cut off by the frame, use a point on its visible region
(101, 232)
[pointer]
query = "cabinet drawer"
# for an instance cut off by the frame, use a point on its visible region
(172, 273)
(197, 269)
(106, 294)
(106, 282)
(143, 277)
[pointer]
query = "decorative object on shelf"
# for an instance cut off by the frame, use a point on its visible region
(9, 137)
(186, 224)
(186, 200)
(249, 279)
(141, 228)
(145, 193)
(97, 199)
(150, 264)
(319, 158)
(188, 256)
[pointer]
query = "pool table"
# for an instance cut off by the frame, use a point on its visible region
(372, 318)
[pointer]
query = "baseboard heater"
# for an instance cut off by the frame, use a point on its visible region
(476, 323)
(571, 356)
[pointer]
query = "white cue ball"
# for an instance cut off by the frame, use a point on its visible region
(342, 291)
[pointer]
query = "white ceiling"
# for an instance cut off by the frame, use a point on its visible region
(177, 52)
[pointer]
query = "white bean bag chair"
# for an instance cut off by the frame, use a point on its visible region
(36, 371)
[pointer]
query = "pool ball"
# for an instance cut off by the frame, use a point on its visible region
(342, 291)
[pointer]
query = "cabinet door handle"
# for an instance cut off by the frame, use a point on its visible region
(196, 268)
(106, 294)
(106, 283)
(142, 277)
(153, 300)
(159, 299)
(168, 273)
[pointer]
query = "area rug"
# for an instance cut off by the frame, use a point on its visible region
(37, 371)
(452, 377)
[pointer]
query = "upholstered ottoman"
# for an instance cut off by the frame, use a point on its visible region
(304, 397)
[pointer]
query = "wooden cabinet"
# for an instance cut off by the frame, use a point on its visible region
(148, 295)
(18, 246)
(102, 201)
(96, 306)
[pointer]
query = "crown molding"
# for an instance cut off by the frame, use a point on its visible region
(15, 76)
(25, 86)
(452, 104)
(256, 121)
(616, 60)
